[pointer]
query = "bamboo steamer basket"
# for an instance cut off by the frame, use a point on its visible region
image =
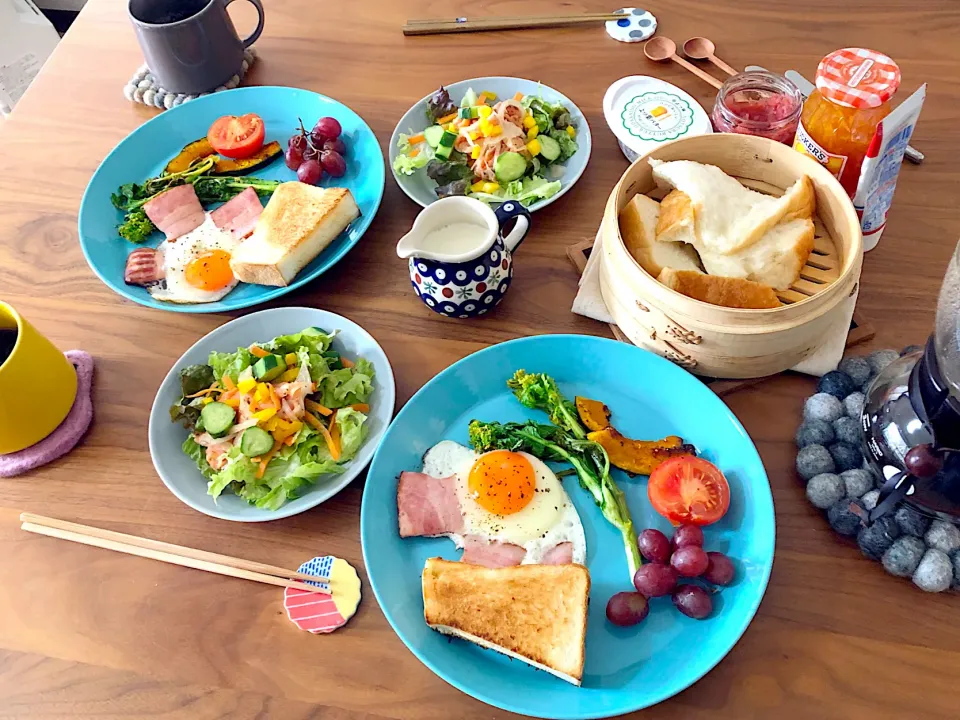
(725, 342)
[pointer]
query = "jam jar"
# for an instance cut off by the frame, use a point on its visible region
(758, 103)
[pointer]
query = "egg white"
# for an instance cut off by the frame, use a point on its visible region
(177, 254)
(546, 521)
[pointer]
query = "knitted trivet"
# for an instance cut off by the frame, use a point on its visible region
(143, 87)
(908, 543)
(68, 433)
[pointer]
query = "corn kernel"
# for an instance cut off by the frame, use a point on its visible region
(477, 186)
(290, 358)
(475, 152)
(491, 187)
(571, 131)
(533, 132)
(529, 122)
(485, 111)
(246, 385)
(265, 415)
(534, 147)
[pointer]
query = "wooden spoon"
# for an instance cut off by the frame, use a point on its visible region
(700, 48)
(661, 49)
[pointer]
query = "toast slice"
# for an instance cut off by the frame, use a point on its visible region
(534, 613)
(638, 228)
(728, 292)
(726, 216)
(676, 222)
(297, 224)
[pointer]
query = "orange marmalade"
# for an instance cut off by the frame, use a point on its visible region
(839, 118)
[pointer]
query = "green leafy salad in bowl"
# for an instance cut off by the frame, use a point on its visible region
(489, 148)
(269, 418)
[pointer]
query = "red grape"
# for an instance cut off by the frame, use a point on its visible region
(333, 163)
(689, 561)
(693, 601)
(687, 535)
(311, 154)
(719, 570)
(655, 579)
(335, 144)
(654, 545)
(293, 157)
(298, 141)
(309, 172)
(627, 608)
(328, 128)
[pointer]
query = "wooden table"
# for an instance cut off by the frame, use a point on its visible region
(89, 633)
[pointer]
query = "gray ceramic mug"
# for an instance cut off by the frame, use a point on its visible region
(190, 46)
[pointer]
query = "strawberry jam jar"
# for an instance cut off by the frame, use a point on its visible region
(758, 103)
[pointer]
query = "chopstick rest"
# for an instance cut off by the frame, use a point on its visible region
(636, 25)
(321, 613)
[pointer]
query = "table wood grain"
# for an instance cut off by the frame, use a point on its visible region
(86, 633)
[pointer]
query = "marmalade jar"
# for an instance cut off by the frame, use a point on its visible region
(758, 103)
(839, 118)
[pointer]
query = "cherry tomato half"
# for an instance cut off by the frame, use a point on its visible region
(237, 137)
(689, 489)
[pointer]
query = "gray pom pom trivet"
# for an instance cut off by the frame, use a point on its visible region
(903, 557)
(814, 460)
(822, 406)
(825, 489)
(858, 482)
(943, 536)
(935, 572)
(143, 87)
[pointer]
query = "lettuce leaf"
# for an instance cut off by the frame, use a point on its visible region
(352, 424)
(347, 386)
(231, 364)
(526, 191)
(314, 339)
(568, 146)
(240, 469)
(196, 452)
(406, 165)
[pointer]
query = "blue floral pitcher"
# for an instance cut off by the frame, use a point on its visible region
(461, 264)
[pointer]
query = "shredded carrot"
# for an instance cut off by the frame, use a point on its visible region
(274, 398)
(212, 389)
(346, 362)
(414, 152)
(258, 351)
(450, 118)
(335, 434)
(228, 383)
(416, 139)
(322, 429)
(290, 439)
(519, 96)
(267, 458)
(317, 407)
(361, 407)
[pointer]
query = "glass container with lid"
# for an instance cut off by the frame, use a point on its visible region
(758, 103)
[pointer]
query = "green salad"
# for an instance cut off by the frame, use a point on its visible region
(492, 150)
(267, 419)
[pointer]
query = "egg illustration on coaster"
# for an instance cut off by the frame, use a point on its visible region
(320, 612)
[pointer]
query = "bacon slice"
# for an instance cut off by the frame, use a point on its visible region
(144, 266)
(239, 215)
(427, 505)
(176, 211)
(477, 551)
(561, 554)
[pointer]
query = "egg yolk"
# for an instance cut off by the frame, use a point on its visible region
(210, 271)
(502, 482)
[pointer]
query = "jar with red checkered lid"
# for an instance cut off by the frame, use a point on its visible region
(854, 87)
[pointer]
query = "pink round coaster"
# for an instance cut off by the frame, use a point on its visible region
(68, 433)
(321, 613)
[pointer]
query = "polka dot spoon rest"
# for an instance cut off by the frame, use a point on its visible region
(461, 263)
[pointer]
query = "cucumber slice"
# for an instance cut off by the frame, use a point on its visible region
(433, 134)
(217, 418)
(469, 113)
(333, 359)
(269, 368)
(469, 98)
(448, 139)
(535, 165)
(510, 166)
(549, 148)
(255, 442)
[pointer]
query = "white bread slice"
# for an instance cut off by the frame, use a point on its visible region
(638, 226)
(728, 292)
(676, 222)
(297, 224)
(728, 216)
(534, 613)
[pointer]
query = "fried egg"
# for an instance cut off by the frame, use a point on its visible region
(509, 497)
(196, 266)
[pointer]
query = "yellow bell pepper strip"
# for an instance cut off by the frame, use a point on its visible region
(534, 147)
(519, 96)
(264, 415)
(290, 375)
(488, 96)
(490, 187)
(533, 132)
(571, 131)
(265, 460)
(529, 122)
(475, 151)
(247, 385)
(318, 408)
(477, 186)
(485, 111)
(274, 398)
(290, 358)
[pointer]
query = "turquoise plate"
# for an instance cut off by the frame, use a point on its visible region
(626, 669)
(146, 151)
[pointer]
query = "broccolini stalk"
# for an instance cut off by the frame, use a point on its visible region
(588, 459)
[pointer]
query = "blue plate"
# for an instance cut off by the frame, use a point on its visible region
(146, 151)
(421, 189)
(626, 668)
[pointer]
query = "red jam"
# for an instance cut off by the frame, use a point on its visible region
(758, 103)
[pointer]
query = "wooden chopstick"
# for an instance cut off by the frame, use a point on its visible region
(505, 18)
(483, 24)
(169, 550)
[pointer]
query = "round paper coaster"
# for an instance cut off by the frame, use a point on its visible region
(636, 25)
(317, 612)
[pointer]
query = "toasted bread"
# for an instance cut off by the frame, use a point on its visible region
(676, 222)
(726, 216)
(535, 613)
(638, 225)
(297, 224)
(728, 292)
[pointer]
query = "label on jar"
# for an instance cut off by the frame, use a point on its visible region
(657, 116)
(805, 144)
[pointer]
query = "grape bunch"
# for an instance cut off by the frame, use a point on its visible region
(669, 562)
(311, 154)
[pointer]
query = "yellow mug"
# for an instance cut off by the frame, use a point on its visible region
(37, 383)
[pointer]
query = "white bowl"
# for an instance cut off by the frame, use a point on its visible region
(180, 474)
